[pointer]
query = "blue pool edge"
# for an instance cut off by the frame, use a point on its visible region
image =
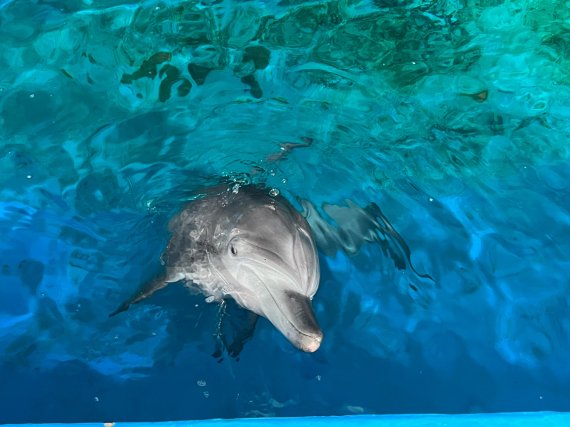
(519, 419)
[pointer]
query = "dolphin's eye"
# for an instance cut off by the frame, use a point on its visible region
(233, 250)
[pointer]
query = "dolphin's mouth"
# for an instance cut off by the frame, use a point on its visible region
(308, 333)
(312, 344)
(308, 342)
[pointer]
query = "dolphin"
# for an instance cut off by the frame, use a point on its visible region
(249, 244)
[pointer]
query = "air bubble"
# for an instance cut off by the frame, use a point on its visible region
(201, 383)
(274, 192)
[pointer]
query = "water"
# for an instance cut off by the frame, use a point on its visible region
(452, 116)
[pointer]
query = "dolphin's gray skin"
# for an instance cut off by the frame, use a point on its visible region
(250, 246)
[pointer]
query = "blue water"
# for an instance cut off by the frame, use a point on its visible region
(452, 116)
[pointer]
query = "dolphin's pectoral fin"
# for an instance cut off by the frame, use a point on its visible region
(149, 289)
(235, 327)
(242, 333)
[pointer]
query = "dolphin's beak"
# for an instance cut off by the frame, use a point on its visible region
(311, 343)
(296, 320)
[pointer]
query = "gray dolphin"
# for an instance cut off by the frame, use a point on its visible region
(249, 245)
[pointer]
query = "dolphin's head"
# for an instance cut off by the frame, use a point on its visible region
(271, 259)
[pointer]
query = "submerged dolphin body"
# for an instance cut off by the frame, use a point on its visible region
(252, 247)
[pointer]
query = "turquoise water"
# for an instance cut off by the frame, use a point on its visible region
(518, 419)
(452, 116)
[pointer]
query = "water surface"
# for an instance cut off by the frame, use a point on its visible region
(452, 116)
